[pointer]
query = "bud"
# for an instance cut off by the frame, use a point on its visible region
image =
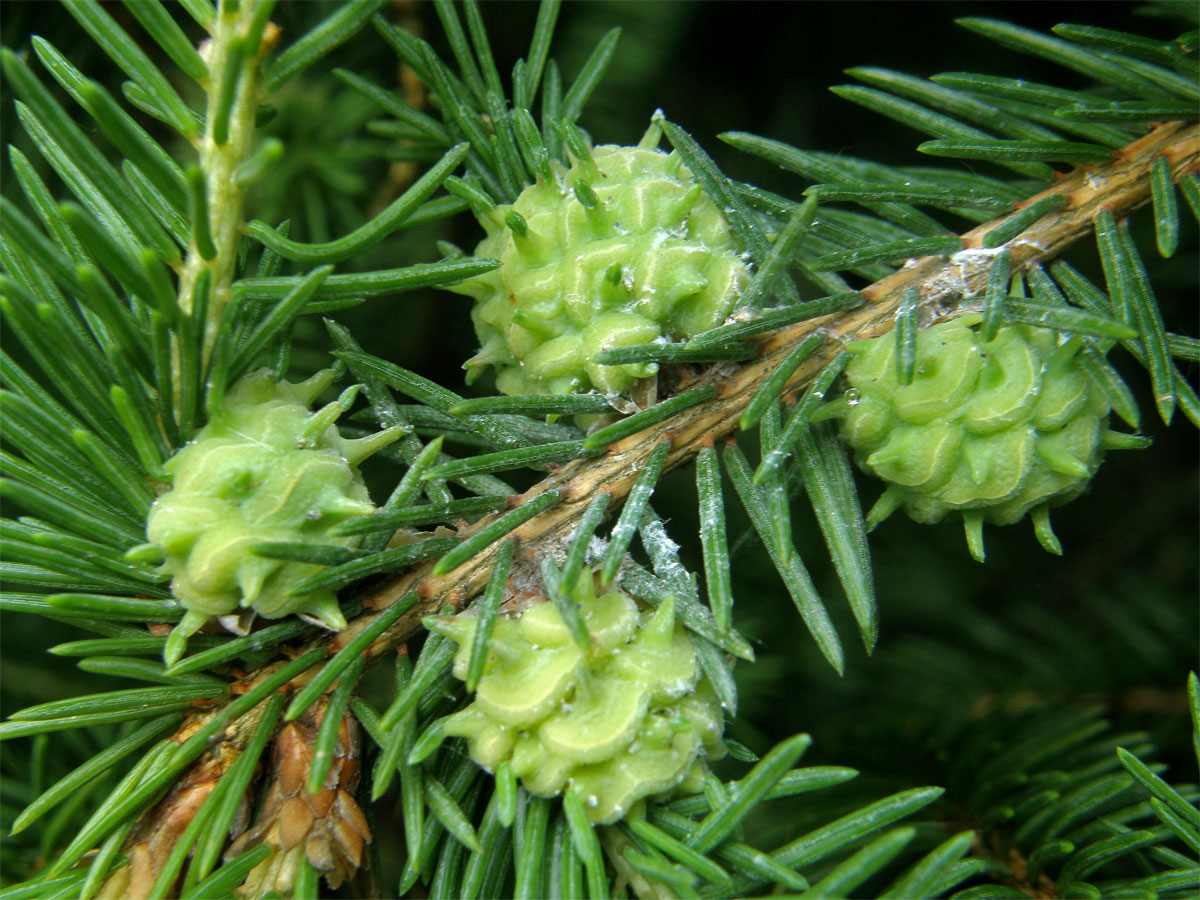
(265, 469)
(622, 248)
(326, 828)
(988, 429)
(628, 717)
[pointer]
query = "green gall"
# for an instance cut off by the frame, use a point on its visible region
(264, 470)
(622, 248)
(991, 430)
(628, 717)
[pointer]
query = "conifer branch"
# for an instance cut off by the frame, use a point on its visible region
(942, 283)
(172, 354)
(1119, 187)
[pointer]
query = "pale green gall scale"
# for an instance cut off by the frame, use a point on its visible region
(626, 718)
(265, 469)
(621, 248)
(990, 430)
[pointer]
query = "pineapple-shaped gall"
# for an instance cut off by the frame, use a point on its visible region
(264, 469)
(628, 717)
(622, 248)
(989, 429)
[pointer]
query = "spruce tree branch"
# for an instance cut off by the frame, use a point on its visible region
(1120, 187)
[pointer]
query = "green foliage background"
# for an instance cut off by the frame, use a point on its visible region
(967, 653)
